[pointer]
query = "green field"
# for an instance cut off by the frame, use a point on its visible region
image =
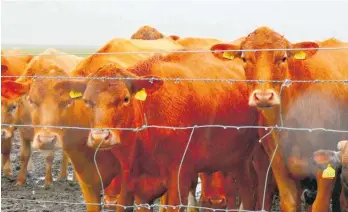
(79, 51)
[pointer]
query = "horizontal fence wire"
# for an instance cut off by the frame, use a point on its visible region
(135, 206)
(182, 51)
(285, 83)
(181, 128)
(288, 81)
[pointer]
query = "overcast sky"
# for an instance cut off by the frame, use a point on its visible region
(93, 23)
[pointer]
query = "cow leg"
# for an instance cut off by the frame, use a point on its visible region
(288, 188)
(232, 193)
(343, 202)
(63, 174)
(126, 197)
(111, 193)
(49, 161)
(260, 165)
(192, 197)
(6, 166)
(325, 188)
(186, 179)
(163, 202)
(246, 189)
(148, 189)
(24, 159)
(91, 194)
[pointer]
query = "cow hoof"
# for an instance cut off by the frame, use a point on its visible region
(48, 186)
(308, 196)
(62, 178)
(110, 201)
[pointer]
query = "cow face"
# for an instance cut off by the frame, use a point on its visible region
(116, 104)
(266, 65)
(9, 115)
(48, 103)
(337, 159)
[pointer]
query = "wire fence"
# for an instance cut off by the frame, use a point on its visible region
(284, 83)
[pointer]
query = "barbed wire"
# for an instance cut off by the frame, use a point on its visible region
(178, 51)
(285, 83)
(177, 79)
(276, 127)
(135, 206)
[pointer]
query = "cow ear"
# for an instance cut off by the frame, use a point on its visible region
(174, 37)
(13, 89)
(341, 145)
(225, 55)
(146, 85)
(4, 68)
(303, 54)
(75, 88)
(322, 158)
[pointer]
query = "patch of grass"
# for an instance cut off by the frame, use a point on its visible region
(82, 52)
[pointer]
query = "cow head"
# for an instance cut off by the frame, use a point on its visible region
(9, 115)
(213, 190)
(337, 159)
(116, 104)
(48, 103)
(266, 65)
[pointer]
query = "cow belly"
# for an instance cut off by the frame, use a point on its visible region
(312, 110)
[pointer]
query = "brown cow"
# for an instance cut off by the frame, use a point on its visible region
(338, 160)
(13, 65)
(260, 161)
(50, 104)
(147, 33)
(80, 155)
(150, 33)
(20, 114)
(302, 105)
(219, 190)
(184, 103)
(10, 66)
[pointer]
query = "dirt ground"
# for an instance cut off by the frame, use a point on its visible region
(33, 195)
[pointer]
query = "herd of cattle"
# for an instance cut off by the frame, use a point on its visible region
(141, 164)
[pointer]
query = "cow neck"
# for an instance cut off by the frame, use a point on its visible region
(142, 120)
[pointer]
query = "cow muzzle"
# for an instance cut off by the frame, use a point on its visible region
(45, 141)
(5, 134)
(218, 202)
(264, 99)
(102, 139)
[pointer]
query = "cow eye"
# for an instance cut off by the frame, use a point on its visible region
(66, 103)
(126, 99)
(30, 101)
(11, 108)
(284, 59)
(244, 59)
(88, 103)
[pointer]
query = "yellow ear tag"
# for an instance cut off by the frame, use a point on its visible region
(75, 94)
(300, 55)
(228, 55)
(141, 95)
(329, 172)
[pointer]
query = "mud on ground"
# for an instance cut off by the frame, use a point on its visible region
(28, 197)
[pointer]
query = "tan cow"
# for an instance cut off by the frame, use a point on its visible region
(305, 105)
(24, 108)
(55, 102)
(10, 66)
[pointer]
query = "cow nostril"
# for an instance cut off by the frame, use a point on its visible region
(256, 96)
(218, 201)
(101, 134)
(271, 96)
